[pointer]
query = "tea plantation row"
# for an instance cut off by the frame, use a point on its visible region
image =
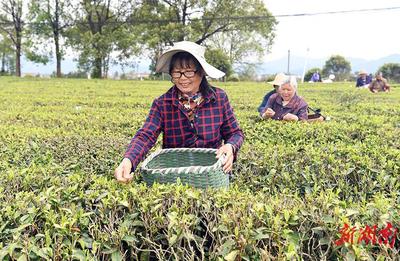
(295, 185)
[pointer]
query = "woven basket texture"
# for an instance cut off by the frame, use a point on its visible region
(196, 167)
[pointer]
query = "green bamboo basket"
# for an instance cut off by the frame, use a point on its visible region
(196, 167)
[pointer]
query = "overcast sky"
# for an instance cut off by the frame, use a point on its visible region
(368, 35)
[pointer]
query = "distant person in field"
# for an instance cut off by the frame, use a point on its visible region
(363, 79)
(275, 83)
(191, 114)
(330, 79)
(379, 84)
(316, 77)
(286, 104)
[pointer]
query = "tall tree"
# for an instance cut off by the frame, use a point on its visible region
(11, 23)
(51, 18)
(100, 30)
(338, 66)
(238, 45)
(239, 27)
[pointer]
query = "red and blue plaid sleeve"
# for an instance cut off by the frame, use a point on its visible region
(146, 137)
(230, 131)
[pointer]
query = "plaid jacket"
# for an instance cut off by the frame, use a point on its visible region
(214, 122)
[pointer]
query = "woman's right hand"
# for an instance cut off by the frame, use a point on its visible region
(269, 113)
(123, 171)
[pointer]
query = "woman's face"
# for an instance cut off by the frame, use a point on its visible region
(287, 92)
(186, 84)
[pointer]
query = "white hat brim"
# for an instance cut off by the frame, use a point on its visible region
(280, 78)
(275, 82)
(165, 59)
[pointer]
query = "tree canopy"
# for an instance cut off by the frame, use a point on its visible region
(6, 55)
(102, 32)
(219, 59)
(391, 71)
(100, 29)
(51, 18)
(338, 66)
(11, 23)
(239, 28)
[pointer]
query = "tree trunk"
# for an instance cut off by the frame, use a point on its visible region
(97, 68)
(18, 60)
(106, 66)
(18, 37)
(58, 55)
(3, 62)
(56, 32)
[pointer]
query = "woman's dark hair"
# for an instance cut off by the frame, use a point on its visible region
(183, 59)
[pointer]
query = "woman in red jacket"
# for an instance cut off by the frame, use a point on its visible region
(191, 114)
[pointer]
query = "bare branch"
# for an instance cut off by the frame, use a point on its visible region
(218, 30)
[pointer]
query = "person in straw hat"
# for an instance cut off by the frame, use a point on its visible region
(192, 113)
(286, 104)
(279, 77)
(363, 79)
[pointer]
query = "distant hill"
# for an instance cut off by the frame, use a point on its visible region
(280, 65)
(297, 64)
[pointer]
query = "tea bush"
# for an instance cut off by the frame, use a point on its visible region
(294, 187)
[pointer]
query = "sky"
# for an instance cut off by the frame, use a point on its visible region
(368, 35)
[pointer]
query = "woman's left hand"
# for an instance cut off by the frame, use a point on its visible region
(290, 117)
(226, 149)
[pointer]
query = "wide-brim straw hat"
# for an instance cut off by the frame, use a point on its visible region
(194, 49)
(361, 72)
(280, 79)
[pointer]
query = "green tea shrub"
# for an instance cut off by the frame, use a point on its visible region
(294, 186)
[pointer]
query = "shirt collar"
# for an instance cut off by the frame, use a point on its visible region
(291, 103)
(184, 97)
(174, 97)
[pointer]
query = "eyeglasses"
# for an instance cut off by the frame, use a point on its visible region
(188, 74)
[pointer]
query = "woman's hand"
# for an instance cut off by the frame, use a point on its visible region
(226, 149)
(269, 113)
(123, 171)
(290, 117)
